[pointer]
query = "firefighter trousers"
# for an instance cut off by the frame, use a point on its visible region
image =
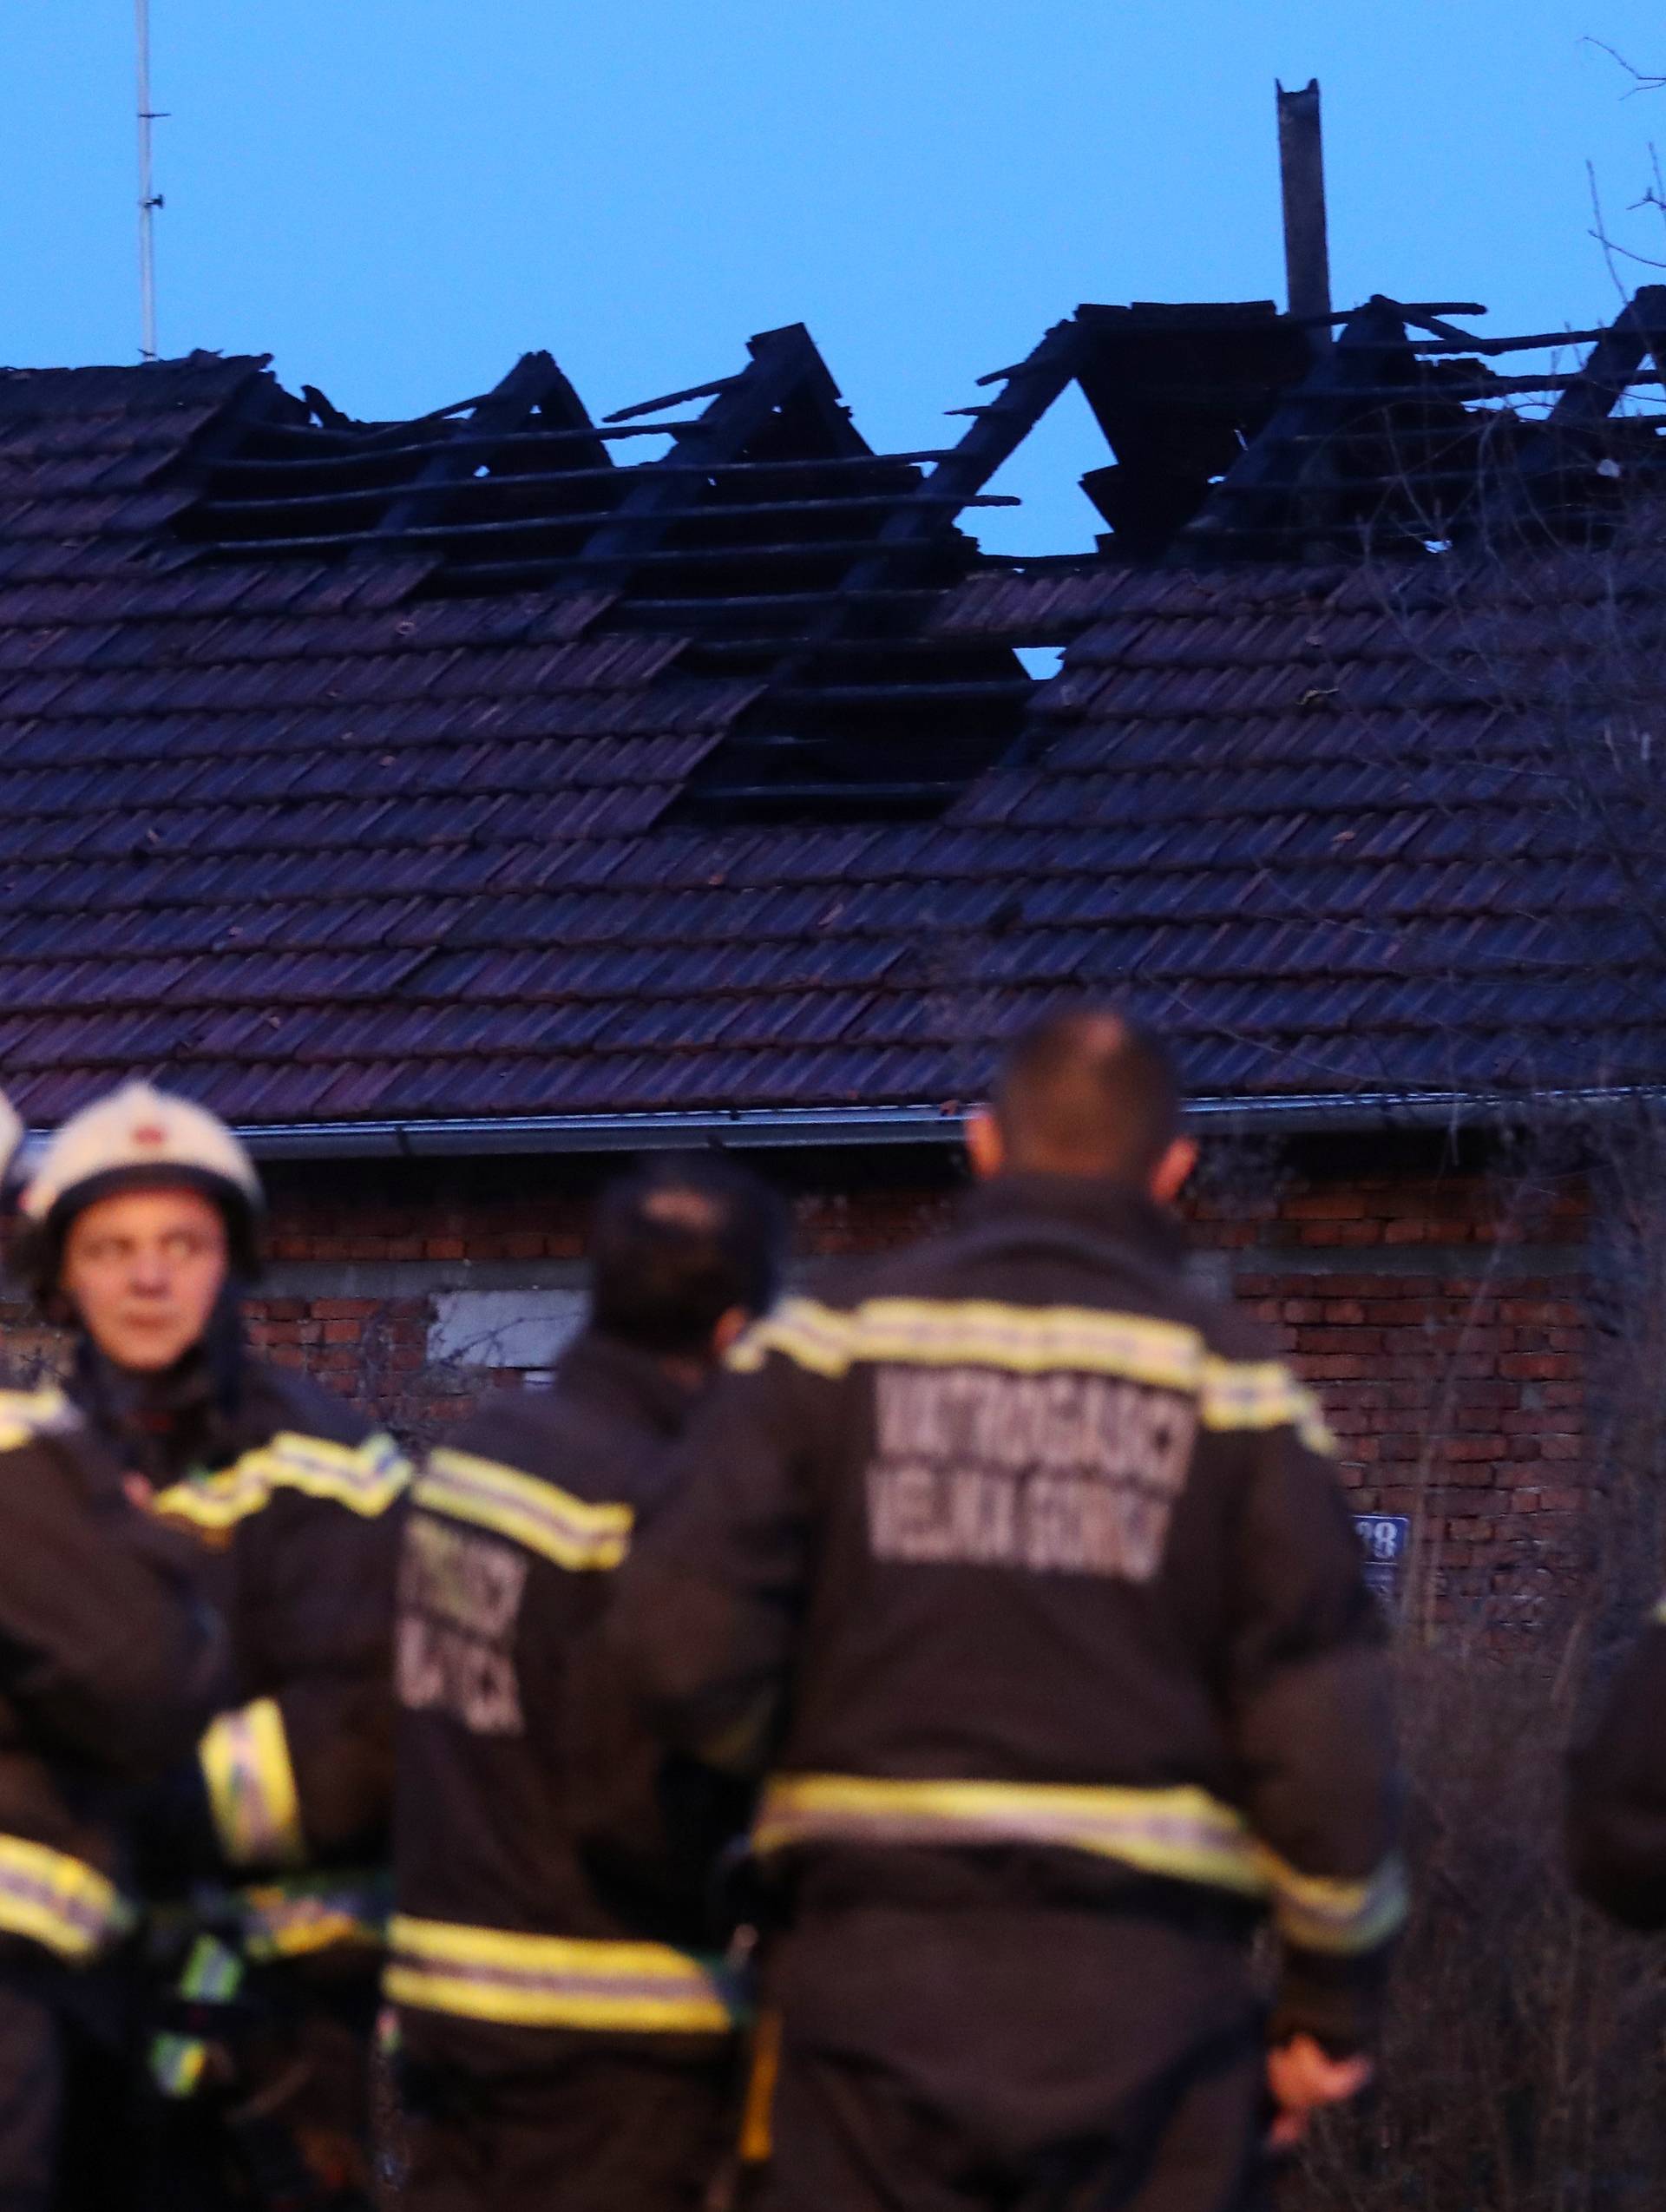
(1020, 2061)
(848, 2138)
(603, 2131)
(67, 2135)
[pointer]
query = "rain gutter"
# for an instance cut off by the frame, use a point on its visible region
(806, 1126)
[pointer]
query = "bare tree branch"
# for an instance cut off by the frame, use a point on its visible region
(1600, 231)
(1643, 80)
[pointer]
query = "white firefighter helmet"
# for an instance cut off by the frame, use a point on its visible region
(137, 1138)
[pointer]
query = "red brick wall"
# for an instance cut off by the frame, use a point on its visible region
(1443, 1324)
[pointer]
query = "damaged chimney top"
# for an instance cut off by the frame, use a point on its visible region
(1301, 169)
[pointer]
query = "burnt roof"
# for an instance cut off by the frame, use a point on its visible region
(458, 771)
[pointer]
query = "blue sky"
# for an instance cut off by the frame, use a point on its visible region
(397, 197)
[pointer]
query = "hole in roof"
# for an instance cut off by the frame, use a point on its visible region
(1042, 660)
(1046, 473)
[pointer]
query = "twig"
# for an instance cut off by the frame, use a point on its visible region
(1642, 81)
(1612, 245)
(1600, 233)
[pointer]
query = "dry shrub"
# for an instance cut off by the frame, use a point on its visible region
(1521, 2069)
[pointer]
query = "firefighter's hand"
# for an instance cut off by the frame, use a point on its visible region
(1302, 2078)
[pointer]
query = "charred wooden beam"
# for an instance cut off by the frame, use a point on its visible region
(1429, 315)
(1602, 382)
(459, 532)
(784, 362)
(954, 717)
(673, 611)
(1318, 407)
(1463, 342)
(570, 568)
(672, 399)
(534, 382)
(368, 448)
(1614, 362)
(1436, 395)
(520, 439)
(999, 430)
(414, 496)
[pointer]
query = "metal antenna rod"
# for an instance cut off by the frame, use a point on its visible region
(149, 200)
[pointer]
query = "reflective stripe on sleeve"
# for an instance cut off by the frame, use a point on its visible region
(59, 1901)
(1036, 1339)
(550, 1981)
(213, 1975)
(1179, 1834)
(364, 1478)
(570, 1531)
(251, 1793)
(318, 1912)
(1318, 1913)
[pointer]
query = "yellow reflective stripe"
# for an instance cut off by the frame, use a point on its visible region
(1183, 1834)
(552, 1981)
(251, 1793)
(1034, 1340)
(546, 1519)
(365, 1478)
(811, 1335)
(1261, 1394)
(178, 2063)
(291, 1919)
(59, 1901)
(1321, 1912)
(976, 1332)
(26, 1414)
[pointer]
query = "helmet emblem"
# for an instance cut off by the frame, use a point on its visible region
(149, 1132)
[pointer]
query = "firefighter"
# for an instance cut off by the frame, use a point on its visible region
(109, 1666)
(563, 2040)
(1020, 1566)
(1616, 1794)
(140, 1227)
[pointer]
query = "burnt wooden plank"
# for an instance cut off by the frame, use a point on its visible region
(534, 382)
(782, 361)
(1600, 383)
(1316, 407)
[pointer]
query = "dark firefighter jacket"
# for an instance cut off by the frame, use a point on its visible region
(1020, 1566)
(1617, 1795)
(511, 1935)
(287, 1498)
(109, 1666)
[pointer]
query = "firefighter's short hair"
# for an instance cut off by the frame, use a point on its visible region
(1089, 1092)
(677, 1244)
